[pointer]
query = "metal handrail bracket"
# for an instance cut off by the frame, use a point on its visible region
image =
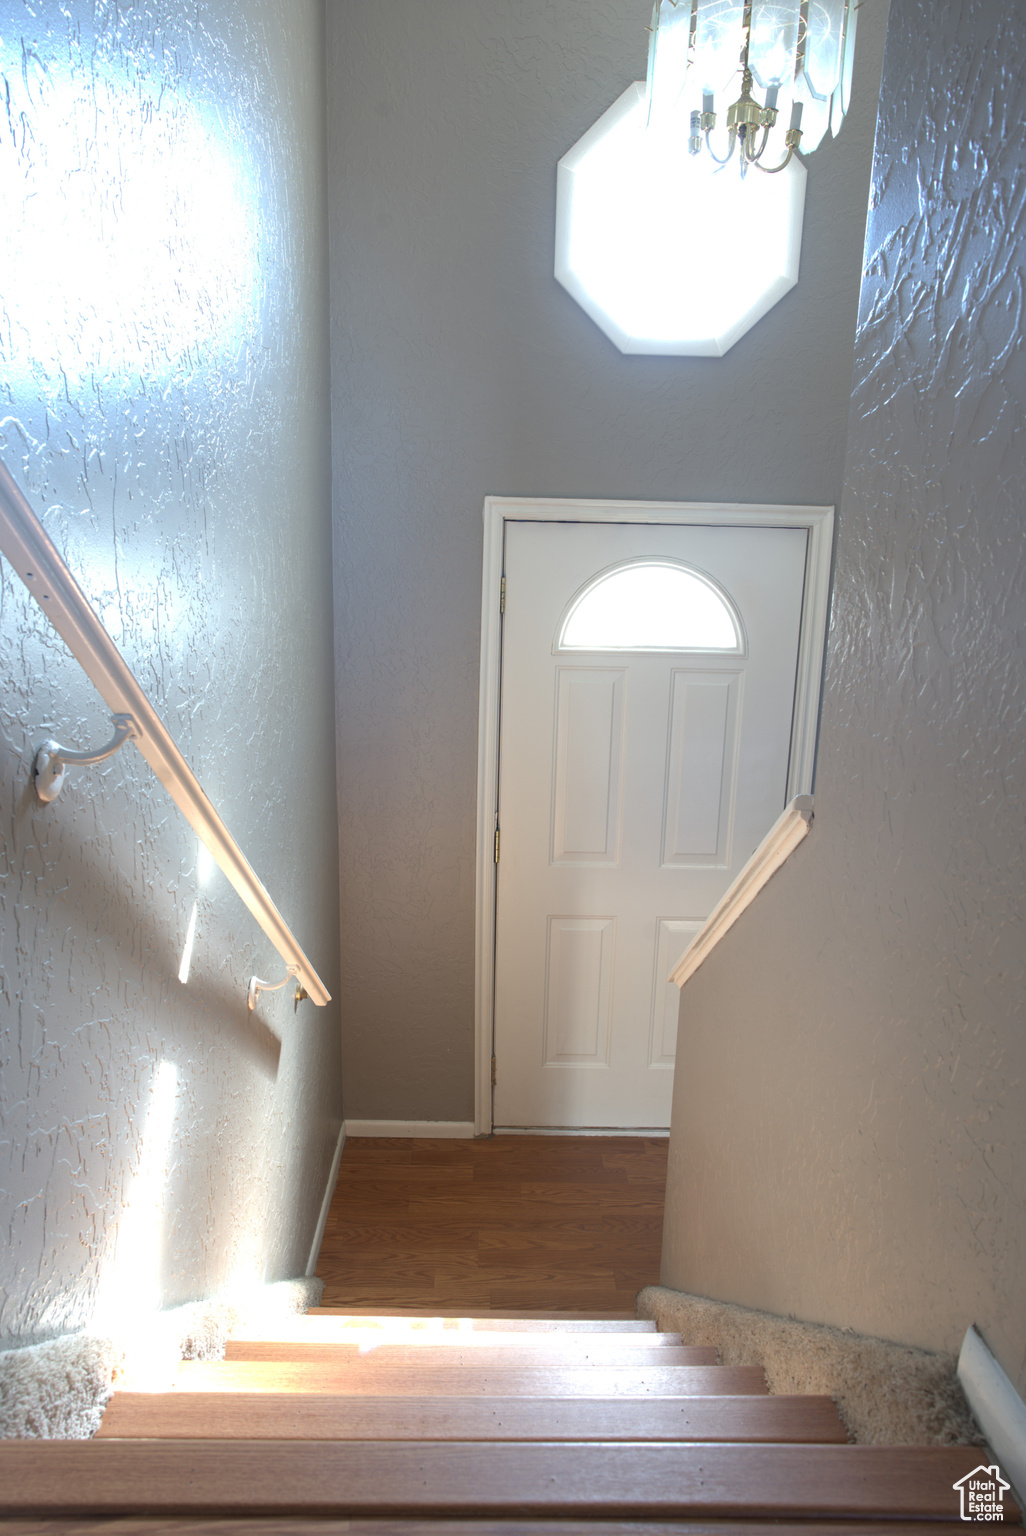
(38, 563)
(51, 759)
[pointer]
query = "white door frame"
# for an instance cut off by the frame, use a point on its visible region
(498, 510)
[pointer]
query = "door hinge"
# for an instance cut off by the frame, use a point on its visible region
(493, 1069)
(502, 596)
(496, 842)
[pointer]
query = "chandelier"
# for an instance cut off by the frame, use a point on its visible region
(797, 54)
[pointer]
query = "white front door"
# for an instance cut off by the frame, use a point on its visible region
(648, 680)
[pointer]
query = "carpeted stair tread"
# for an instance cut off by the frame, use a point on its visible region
(887, 1393)
(573, 1480)
(321, 1416)
(458, 1381)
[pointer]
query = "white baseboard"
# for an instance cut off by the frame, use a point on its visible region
(1000, 1411)
(457, 1130)
(322, 1220)
(463, 1130)
(576, 1130)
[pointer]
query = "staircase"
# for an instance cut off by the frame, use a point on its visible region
(491, 1424)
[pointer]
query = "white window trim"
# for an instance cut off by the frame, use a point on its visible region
(498, 510)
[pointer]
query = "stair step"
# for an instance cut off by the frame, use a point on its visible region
(321, 1416)
(355, 1331)
(477, 1381)
(316, 1525)
(344, 1479)
(550, 1322)
(563, 1350)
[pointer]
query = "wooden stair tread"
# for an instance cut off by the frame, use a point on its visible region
(321, 1416)
(545, 1322)
(315, 1525)
(549, 1356)
(455, 1380)
(299, 1525)
(573, 1480)
(417, 1333)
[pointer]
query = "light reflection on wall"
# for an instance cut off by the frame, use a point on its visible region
(130, 1286)
(190, 939)
(129, 237)
(246, 1262)
(205, 868)
(205, 865)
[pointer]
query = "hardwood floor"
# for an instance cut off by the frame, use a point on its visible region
(546, 1224)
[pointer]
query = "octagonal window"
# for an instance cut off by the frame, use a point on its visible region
(666, 253)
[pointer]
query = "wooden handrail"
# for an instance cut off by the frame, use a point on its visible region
(38, 563)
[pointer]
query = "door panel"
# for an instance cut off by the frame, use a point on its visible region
(672, 938)
(578, 990)
(701, 780)
(587, 770)
(633, 785)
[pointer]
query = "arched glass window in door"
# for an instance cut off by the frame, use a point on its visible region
(652, 605)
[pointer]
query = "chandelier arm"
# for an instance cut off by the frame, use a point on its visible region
(730, 150)
(792, 139)
(771, 170)
(754, 156)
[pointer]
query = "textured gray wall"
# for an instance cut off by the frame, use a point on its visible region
(461, 369)
(163, 401)
(849, 1127)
